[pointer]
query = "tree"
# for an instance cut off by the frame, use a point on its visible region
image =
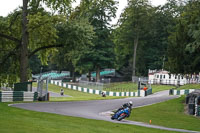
(133, 25)
(37, 32)
(24, 44)
(99, 14)
(184, 41)
(76, 36)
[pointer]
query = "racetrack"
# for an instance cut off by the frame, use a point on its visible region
(94, 109)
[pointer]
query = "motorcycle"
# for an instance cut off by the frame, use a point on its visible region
(121, 114)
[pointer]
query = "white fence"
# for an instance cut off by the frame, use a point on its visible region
(173, 82)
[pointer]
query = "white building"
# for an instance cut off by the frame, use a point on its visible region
(164, 77)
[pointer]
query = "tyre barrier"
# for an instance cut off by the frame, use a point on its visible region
(193, 102)
(140, 93)
(12, 96)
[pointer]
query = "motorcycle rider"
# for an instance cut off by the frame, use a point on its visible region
(129, 105)
(124, 106)
(61, 92)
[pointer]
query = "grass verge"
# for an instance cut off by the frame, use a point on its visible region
(75, 95)
(189, 86)
(121, 87)
(157, 88)
(14, 120)
(168, 114)
(130, 86)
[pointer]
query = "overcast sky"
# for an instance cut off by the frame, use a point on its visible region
(7, 6)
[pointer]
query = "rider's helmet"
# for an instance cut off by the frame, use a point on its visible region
(130, 103)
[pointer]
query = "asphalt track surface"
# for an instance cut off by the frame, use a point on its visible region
(100, 109)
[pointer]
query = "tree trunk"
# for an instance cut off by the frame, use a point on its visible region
(24, 44)
(135, 54)
(73, 76)
(98, 74)
(89, 76)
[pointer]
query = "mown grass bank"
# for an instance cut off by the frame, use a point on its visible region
(133, 87)
(130, 86)
(75, 95)
(14, 120)
(115, 87)
(157, 88)
(170, 114)
(121, 87)
(189, 86)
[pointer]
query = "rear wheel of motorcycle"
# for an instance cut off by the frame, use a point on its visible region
(121, 117)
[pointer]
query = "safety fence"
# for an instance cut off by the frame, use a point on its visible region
(140, 93)
(193, 102)
(11, 96)
(180, 92)
(148, 92)
(94, 85)
(174, 81)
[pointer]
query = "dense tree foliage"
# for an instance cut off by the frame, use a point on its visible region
(99, 55)
(100, 13)
(141, 38)
(82, 39)
(31, 31)
(77, 36)
(183, 48)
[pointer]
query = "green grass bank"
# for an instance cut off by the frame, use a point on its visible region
(75, 95)
(14, 120)
(170, 114)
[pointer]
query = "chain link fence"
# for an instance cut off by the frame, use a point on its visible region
(141, 81)
(93, 85)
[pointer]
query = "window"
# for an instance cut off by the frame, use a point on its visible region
(164, 76)
(157, 76)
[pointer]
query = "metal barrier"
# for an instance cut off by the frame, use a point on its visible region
(11, 96)
(193, 101)
(140, 93)
(93, 85)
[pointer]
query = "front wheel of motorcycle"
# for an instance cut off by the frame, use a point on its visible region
(121, 117)
(112, 118)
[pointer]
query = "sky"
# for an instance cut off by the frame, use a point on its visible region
(7, 6)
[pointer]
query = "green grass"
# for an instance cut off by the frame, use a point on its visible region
(13, 120)
(157, 88)
(76, 95)
(189, 86)
(130, 86)
(121, 87)
(169, 114)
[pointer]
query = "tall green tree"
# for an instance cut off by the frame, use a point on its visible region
(36, 32)
(133, 26)
(76, 36)
(183, 49)
(99, 14)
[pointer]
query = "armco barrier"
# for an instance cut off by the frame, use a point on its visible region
(140, 93)
(11, 96)
(180, 92)
(198, 110)
(149, 92)
(0, 95)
